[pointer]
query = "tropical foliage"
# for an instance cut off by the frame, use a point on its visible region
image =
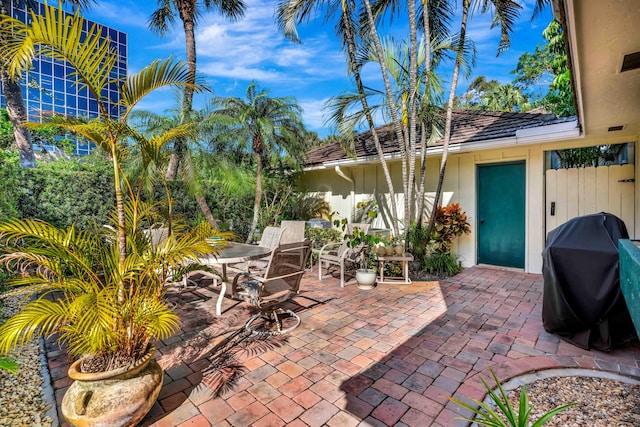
(406, 72)
(493, 96)
(189, 11)
(9, 364)
(548, 63)
(270, 128)
(450, 223)
(109, 282)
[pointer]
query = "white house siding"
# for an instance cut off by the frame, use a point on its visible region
(459, 187)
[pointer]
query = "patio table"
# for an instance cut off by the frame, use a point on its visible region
(231, 254)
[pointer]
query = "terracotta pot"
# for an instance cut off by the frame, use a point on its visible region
(366, 278)
(399, 250)
(390, 250)
(117, 398)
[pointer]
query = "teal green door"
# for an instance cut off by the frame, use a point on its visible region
(501, 214)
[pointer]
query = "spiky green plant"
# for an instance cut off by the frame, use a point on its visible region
(8, 364)
(485, 415)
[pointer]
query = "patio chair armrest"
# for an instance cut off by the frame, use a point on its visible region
(245, 276)
(329, 247)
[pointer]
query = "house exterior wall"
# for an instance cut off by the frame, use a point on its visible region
(459, 187)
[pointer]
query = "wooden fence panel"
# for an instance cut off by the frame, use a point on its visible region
(583, 191)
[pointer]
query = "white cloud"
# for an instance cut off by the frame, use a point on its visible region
(241, 72)
(122, 13)
(254, 48)
(313, 112)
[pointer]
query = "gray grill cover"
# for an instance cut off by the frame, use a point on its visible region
(582, 300)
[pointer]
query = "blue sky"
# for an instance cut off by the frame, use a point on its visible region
(232, 54)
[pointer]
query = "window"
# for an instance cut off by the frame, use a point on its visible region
(58, 70)
(598, 155)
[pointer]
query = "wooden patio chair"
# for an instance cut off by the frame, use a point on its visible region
(338, 253)
(280, 282)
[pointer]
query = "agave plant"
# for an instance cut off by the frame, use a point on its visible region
(101, 290)
(504, 414)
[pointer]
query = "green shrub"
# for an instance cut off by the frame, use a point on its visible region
(10, 179)
(442, 264)
(67, 192)
(322, 236)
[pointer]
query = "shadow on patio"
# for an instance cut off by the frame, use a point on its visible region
(389, 356)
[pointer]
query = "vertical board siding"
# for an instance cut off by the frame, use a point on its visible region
(583, 191)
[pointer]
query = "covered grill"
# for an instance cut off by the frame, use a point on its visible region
(582, 300)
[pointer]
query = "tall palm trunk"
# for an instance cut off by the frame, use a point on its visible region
(18, 115)
(15, 108)
(189, 173)
(351, 52)
(447, 126)
(258, 198)
(425, 98)
(122, 237)
(397, 125)
(187, 13)
(413, 77)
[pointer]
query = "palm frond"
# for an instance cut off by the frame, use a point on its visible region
(159, 73)
(40, 316)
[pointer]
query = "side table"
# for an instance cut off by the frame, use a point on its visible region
(405, 259)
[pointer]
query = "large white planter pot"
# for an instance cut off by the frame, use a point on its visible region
(366, 278)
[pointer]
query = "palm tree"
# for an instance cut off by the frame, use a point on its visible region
(13, 94)
(292, 12)
(507, 97)
(112, 283)
(151, 122)
(267, 127)
(505, 14)
(188, 11)
(345, 114)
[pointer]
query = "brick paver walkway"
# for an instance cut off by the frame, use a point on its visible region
(389, 356)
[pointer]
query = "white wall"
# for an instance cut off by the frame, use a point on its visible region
(459, 187)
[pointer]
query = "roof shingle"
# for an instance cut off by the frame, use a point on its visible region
(467, 126)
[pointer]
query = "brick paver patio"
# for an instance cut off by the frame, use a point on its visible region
(388, 356)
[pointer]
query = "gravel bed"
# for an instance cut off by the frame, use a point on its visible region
(21, 402)
(602, 402)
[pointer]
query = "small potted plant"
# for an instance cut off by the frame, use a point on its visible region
(364, 245)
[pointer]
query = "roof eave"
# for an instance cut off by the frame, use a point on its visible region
(529, 136)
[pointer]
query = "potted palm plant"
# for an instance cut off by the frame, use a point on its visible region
(100, 291)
